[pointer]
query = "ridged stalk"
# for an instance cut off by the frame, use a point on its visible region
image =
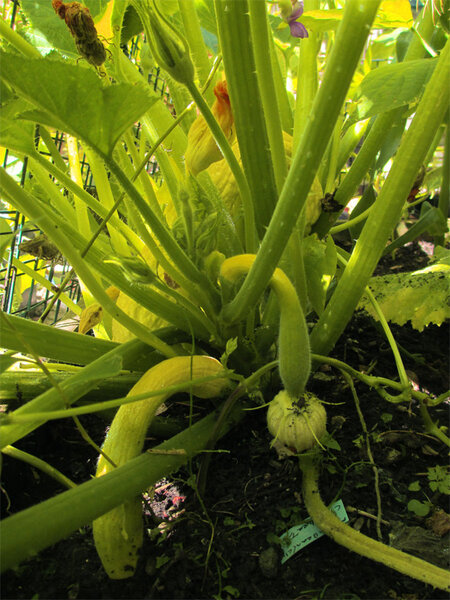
(378, 131)
(195, 41)
(307, 80)
(82, 269)
(73, 388)
(387, 210)
(350, 40)
(261, 49)
(235, 38)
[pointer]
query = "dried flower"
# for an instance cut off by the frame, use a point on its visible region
(81, 25)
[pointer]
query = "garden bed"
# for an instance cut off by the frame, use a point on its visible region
(226, 546)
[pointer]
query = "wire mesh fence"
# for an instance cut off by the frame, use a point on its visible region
(30, 276)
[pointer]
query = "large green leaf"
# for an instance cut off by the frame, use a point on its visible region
(17, 136)
(392, 86)
(74, 99)
(420, 297)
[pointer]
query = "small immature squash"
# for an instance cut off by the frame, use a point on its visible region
(297, 423)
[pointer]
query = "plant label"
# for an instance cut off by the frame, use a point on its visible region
(300, 536)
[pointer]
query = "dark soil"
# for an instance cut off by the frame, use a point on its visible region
(226, 545)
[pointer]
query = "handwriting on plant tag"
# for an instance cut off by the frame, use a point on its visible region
(301, 535)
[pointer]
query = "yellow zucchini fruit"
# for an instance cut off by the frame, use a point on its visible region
(293, 338)
(118, 534)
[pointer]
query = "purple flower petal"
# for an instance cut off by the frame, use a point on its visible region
(297, 11)
(298, 30)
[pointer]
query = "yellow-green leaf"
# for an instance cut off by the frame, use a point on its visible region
(421, 297)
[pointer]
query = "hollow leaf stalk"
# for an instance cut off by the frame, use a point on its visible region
(171, 247)
(261, 50)
(194, 37)
(382, 219)
(307, 80)
(378, 131)
(350, 40)
(233, 24)
(65, 245)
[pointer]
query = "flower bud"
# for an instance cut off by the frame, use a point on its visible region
(169, 47)
(297, 423)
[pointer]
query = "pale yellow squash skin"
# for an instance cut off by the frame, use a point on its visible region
(118, 534)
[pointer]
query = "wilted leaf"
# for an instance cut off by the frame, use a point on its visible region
(439, 523)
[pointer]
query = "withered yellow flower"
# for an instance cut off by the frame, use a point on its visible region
(202, 149)
(90, 317)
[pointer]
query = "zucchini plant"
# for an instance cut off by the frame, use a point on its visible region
(275, 119)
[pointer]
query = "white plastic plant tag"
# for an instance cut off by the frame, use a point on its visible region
(301, 535)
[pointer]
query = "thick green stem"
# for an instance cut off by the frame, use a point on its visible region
(307, 80)
(261, 50)
(18, 41)
(183, 263)
(377, 134)
(89, 200)
(73, 388)
(348, 537)
(82, 269)
(382, 219)
(351, 36)
(444, 195)
(36, 528)
(106, 198)
(359, 168)
(233, 24)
